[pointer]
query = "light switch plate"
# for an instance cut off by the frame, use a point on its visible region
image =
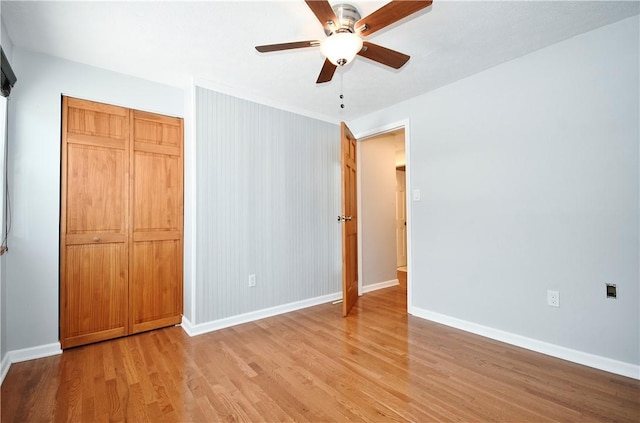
(416, 195)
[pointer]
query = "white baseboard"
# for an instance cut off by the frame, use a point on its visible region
(4, 367)
(25, 354)
(575, 356)
(379, 285)
(201, 328)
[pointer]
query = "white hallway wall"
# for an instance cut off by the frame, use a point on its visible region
(377, 168)
(529, 181)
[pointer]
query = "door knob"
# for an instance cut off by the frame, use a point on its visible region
(343, 218)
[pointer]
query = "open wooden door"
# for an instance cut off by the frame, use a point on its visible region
(349, 220)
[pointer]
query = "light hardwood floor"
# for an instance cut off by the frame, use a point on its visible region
(313, 365)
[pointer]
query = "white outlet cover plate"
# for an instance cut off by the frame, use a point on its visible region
(553, 298)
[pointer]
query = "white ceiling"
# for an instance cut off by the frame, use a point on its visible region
(214, 41)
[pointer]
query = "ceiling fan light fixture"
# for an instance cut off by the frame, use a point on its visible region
(343, 24)
(341, 47)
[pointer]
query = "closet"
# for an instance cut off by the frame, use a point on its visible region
(121, 230)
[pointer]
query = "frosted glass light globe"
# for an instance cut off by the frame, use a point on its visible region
(340, 48)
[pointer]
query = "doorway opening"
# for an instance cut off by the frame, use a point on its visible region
(384, 224)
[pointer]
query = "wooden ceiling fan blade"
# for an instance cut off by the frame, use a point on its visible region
(287, 46)
(389, 14)
(383, 55)
(325, 14)
(328, 69)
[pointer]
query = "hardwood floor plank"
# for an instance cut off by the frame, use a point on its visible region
(136, 405)
(115, 411)
(379, 364)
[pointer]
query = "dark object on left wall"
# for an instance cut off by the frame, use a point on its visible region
(8, 77)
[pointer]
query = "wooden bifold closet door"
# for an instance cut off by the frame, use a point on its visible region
(121, 222)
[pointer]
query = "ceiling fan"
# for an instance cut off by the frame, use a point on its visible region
(345, 28)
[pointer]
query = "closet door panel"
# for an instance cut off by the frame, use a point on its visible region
(157, 193)
(96, 119)
(94, 237)
(156, 301)
(95, 195)
(96, 294)
(157, 130)
(156, 222)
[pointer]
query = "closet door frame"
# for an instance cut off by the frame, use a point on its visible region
(87, 259)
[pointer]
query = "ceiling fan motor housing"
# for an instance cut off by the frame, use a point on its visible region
(347, 15)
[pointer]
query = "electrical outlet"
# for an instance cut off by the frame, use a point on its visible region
(252, 281)
(612, 292)
(553, 298)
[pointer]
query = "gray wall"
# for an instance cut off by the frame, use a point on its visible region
(7, 47)
(529, 181)
(378, 215)
(268, 193)
(5, 40)
(34, 178)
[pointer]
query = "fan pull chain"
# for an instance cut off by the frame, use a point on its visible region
(342, 90)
